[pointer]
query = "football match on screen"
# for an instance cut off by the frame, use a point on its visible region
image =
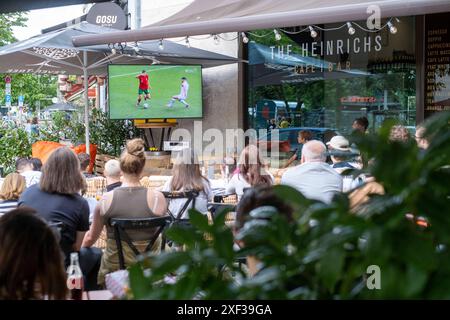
(156, 91)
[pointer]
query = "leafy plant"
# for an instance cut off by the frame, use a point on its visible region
(326, 252)
(110, 135)
(14, 143)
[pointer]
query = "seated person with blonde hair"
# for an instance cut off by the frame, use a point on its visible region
(11, 189)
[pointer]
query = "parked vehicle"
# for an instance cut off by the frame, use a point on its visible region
(287, 140)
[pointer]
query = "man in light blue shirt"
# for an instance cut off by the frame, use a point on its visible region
(314, 178)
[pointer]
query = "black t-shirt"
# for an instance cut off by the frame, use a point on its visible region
(71, 210)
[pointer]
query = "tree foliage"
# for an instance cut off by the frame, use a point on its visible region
(7, 22)
(33, 87)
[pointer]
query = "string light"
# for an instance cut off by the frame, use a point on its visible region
(313, 32)
(351, 30)
(136, 47)
(161, 45)
(187, 42)
(277, 35)
(392, 28)
(244, 37)
(216, 40)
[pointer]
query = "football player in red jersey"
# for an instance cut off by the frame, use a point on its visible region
(144, 86)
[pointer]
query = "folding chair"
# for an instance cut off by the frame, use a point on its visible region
(190, 197)
(120, 225)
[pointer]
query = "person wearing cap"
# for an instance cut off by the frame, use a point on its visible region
(340, 153)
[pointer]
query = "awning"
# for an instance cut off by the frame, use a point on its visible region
(220, 16)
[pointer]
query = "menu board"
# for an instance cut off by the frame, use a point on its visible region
(437, 63)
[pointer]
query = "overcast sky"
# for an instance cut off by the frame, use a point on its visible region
(44, 18)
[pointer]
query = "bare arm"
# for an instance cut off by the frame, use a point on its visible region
(95, 229)
(157, 203)
(291, 159)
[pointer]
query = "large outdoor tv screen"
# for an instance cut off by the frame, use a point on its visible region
(155, 91)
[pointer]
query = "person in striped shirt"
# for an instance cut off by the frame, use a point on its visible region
(12, 187)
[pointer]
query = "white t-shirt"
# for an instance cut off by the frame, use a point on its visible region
(238, 183)
(201, 202)
(31, 177)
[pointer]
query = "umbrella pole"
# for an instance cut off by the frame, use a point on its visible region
(86, 101)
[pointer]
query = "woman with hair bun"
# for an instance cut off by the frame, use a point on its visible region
(131, 200)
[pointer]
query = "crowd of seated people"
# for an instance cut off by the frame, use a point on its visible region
(57, 198)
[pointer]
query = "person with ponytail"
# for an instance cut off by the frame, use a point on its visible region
(130, 200)
(250, 172)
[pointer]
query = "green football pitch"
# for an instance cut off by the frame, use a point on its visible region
(165, 82)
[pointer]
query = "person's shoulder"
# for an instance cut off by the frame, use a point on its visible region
(151, 193)
(33, 189)
(294, 170)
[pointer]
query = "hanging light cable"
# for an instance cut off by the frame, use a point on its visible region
(313, 32)
(392, 28)
(136, 47)
(351, 30)
(244, 37)
(216, 40)
(277, 35)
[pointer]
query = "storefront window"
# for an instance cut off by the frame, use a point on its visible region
(329, 80)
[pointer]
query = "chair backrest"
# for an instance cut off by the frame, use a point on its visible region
(121, 225)
(190, 197)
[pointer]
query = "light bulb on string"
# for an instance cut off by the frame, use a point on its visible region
(216, 40)
(351, 30)
(136, 47)
(244, 37)
(161, 45)
(187, 42)
(392, 28)
(277, 35)
(313, 32)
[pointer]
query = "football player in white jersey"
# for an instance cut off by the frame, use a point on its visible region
(183, 94)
